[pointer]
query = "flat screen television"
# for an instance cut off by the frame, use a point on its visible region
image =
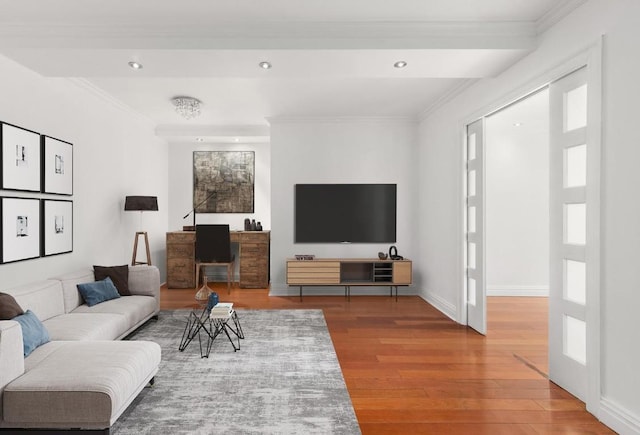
(345, 213)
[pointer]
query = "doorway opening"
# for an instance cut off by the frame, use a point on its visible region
(517, 225)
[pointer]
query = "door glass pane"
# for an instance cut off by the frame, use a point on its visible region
(575, 225)
(471, 255)
(575, 339)
(575, 278)
(471, 220)
(471, 180)
(471, 291)
(471, 147)
(575, 164)
(575, 108)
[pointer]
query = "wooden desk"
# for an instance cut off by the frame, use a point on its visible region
(253, 258)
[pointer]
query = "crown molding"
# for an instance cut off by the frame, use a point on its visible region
(98, 92)
(274, 35)
(337, 119)
(446, 97)
(560, 10)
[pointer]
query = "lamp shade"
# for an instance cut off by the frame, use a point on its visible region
(141, 203)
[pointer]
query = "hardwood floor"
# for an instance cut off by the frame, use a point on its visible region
(410, 369)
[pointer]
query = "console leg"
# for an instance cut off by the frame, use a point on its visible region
(300, 293)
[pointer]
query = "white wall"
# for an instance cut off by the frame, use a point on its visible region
(339, 151)
(115, 154)
(181, 186)
(440, 183)
(517, 199)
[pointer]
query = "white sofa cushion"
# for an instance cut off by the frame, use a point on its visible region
(134, 308)
(44, 298)
(70, 281)
(87, 326)
(80, 384)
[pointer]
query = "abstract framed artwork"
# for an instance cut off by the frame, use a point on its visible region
(57, 224)
(20, 156)
(20, 230)
(223, 181)
(57, 166)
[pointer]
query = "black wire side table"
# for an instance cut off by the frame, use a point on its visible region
(212, 325)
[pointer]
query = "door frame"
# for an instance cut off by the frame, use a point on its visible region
(591, 57)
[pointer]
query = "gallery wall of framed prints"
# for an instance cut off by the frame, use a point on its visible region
(35, 224)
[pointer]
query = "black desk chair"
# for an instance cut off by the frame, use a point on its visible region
(213, 248)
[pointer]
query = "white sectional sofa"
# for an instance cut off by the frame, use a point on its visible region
(84, 378)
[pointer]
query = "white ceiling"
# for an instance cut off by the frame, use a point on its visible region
(331, 58)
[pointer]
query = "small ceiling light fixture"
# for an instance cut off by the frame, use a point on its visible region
(400, 64)
(199, 139)
(265, 65)
(517, 124)
(187, 107)
(135, 65)
(236, 139)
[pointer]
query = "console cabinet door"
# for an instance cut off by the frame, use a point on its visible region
(402, 272)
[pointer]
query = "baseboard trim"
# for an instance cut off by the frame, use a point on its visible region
(447, 308)
(618, 418)
(518, 290)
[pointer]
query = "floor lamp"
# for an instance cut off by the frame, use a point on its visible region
(141, 204)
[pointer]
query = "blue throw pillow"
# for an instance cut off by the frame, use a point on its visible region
(99, 291)
(34, 333)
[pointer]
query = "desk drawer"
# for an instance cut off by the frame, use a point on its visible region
(180, 250)
(257, 237)
(181, 237)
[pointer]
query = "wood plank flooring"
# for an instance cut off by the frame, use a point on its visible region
(410, 369)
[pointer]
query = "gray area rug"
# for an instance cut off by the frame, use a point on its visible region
(285, 379)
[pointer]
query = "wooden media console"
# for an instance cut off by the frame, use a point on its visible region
(348, 272)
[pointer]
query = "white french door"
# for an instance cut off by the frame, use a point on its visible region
(475, 273)
(572, 233)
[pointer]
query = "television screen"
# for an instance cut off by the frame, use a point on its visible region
(345, 213)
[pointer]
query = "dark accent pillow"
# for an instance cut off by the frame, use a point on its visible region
(118, 274)
(96, 292)
(9, 308)
(34, 333)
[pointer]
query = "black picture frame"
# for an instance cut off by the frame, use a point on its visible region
(57, 227)
(20, 229)
(20, 159)
(57, 166)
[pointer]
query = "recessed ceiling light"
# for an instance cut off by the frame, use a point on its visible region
(135, 65)
(199, 139)
(517, 124)
(400, 64)
(236, 139)
(265, 65)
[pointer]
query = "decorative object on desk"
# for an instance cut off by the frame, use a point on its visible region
(187, 107)
(141, 204)
(305, 257)
(253, 224)
(20, 159)
(382, 256)
(223, 181)
(20, 229)
(57, 218)
(247, 224)
(57, 165)
(259, 226)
